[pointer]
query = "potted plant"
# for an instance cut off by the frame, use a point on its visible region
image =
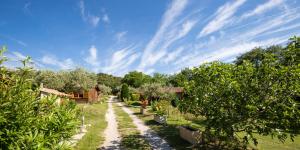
(143, 106)
(160, 109)
(160, 117)
(190, 134)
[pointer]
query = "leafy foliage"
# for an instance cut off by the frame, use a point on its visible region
(67, 81)
(136, 79)
(106, 90)
(152, 91)
(50, 79)
(28, 121)
(125, 92)
(108, 80)
(259, 96)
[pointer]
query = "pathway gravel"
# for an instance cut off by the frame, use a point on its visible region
(156, 142)
(112, 136)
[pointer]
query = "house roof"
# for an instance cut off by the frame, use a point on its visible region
(173, 89)
(54, 92)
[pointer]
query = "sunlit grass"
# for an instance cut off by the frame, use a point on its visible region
(95, 116)
(175, 118)
(131, 138)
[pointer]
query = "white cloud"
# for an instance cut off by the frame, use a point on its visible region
(19, 55)
(15, 58)
(149, 71)
(87, 17)
(106, 18)
(15, 40)
(120, 36)
(153, 52)
(121, 61)
(267, 25)
(92, 58)
(62, 64)
(94, 20)
(222, 17)
(173, 55)
(263, 8)
(225, 53)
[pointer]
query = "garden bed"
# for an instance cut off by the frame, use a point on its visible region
(190, 134)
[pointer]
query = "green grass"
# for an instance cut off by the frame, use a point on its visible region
(131, 138)
(94, 115)
(175, 118)
(169, 132)
(266, 143)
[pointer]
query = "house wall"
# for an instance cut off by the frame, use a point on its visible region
(93, 95)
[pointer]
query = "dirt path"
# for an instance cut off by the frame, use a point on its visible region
(112, 136)
(154, 140)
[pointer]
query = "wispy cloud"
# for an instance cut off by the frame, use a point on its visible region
(225, 53)
(173, 55)
(120, 36)
(15, 58)
(222, 17)
(92, 57)
(150, 56)
(61, 64)
(86, 16)
(263, 8)
(26, 8)
(105, 18)
(121, 61)
(15, 40)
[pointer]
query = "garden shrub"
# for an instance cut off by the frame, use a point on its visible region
(124, 92)
(135, 97)
(160, 107)
(28, 121)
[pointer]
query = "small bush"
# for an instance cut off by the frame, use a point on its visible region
(28, 121)
(135, 97)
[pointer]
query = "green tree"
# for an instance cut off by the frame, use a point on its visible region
(159, 78)
(136, 79)
(109, 80)
(50, 79)
(152, 91)
(179, 79)
(106, 90)
(125, 92)
(248, 97)
(78, 80)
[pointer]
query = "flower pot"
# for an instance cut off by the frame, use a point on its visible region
(189, 134)
(142, 110)
(160, 119)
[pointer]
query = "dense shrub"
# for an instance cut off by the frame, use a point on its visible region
(124, 92)
(26, 120)
(135, 97)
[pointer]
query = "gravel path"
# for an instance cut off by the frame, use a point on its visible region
(112, 136)
(154, 140)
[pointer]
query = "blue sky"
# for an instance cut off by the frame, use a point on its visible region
(118, 36)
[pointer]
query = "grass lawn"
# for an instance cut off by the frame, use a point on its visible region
(131, 138)
(171, 133)
(94, 115)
